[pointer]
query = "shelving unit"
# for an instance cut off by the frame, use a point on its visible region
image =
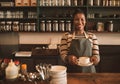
(104, 14)
(28, 18)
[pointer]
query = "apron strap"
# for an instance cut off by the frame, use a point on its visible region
(85, 34)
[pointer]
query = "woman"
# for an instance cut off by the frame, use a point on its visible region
(79, 43)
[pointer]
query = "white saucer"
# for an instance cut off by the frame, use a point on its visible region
(88, 64)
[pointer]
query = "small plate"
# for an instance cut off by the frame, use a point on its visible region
(89, 64)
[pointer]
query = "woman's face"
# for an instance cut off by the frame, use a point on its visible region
(79, 21)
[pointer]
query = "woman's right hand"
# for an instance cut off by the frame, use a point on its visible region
(72, 60)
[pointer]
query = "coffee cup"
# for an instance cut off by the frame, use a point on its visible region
(83, 60)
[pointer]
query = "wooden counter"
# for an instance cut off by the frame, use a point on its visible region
(97, 78)
(82, 78)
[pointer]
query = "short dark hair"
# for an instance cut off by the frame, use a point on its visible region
(78, 11)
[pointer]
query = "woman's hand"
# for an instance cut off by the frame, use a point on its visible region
(94, 59)
(72, 60)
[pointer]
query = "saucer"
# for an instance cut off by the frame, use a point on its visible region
(88, 64)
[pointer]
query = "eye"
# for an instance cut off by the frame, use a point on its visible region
(82, 19)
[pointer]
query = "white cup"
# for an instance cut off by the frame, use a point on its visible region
(83, 60)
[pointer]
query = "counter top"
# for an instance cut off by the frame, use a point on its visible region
(96, 78)
(82, 78)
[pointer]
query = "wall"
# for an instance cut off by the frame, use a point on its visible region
(54, 38)
(8, 43)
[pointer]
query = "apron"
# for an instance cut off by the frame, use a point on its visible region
(81, 47)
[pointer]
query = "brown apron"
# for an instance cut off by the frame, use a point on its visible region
(81, 47)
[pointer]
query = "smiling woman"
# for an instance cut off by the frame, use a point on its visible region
(79, 43)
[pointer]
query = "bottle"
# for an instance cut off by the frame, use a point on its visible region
(11, 71)
(96, 2)
(24, 69)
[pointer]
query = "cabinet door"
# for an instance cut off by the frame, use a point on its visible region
(110, 59)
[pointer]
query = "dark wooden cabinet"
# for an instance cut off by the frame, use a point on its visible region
(110, 59)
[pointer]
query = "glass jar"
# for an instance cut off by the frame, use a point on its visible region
(49, 2)
(42, 3)
(29, 27)
(8, 26)
(68, 25)
(61, 2)
(1, 14)
(61, 25)
(33, 26)
(100, 26)
(90, 2)
(48, 25)
(75, 2)
(25, 26)
(42, 25)
(97, 2)
(21, 26)
(2, 26)
(81, 2)
(110, 26)
(67, 3)
(15, 26)
(55, 3)
(55, 25)
(8, 14)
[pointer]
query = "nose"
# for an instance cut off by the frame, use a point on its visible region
(79, 21)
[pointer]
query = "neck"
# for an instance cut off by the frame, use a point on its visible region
(79, 32)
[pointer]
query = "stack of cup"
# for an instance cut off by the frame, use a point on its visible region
(58, 74)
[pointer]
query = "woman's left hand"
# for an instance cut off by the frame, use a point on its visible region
(94, 59)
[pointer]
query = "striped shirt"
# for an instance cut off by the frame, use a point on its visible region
(66, 41)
